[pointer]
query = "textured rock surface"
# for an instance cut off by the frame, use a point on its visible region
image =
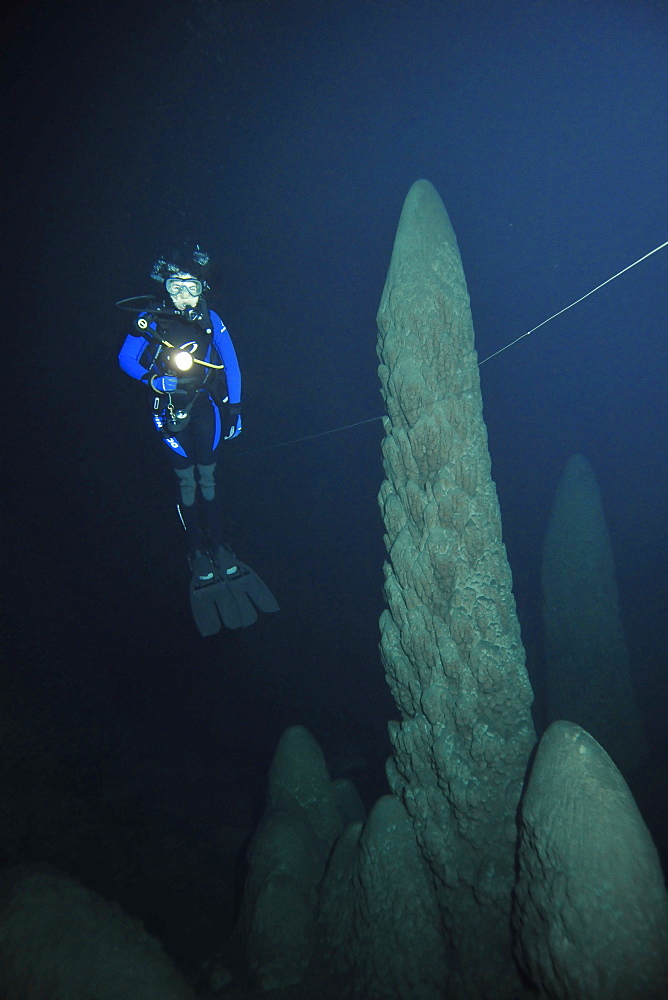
(379, 927)
(62, 941)
(305, 814)
(335, 907)
(415, 903)
(450, 639)
(591, 906)
(588, 678)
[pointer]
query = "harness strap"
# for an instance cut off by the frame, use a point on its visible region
(207, 364)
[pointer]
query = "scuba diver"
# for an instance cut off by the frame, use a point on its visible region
(183, 352)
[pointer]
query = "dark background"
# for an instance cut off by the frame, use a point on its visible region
(284, 136)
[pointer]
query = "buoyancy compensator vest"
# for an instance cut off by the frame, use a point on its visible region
(181, 345)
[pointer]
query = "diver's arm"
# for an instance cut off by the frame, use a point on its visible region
(129, 355)
(223, 342)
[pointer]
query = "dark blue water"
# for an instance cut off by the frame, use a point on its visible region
(284, 138)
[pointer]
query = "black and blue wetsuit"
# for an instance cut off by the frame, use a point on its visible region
(202, 408)
(211, 396)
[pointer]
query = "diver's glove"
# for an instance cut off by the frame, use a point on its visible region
(164, 383)
(234, 423)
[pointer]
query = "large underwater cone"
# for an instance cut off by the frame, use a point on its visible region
(450, 638)
(588, 672)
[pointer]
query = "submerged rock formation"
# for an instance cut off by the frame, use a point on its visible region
(591, 909)
(306, 813)
(415, 902)
(588, 675)
(334, 906)
(450, 639)
(380, 931)
(62, 941)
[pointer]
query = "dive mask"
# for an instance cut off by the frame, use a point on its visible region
(183, 286)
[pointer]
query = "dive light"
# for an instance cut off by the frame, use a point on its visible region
(182, 360)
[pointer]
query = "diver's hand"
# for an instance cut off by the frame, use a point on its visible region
(165, 383)
(234, 427)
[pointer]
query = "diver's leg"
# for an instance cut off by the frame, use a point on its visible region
(210, 504)
(184, 467)
(188, 509)
(187, 485)
(207, 433)
(181, 449)
(207, 482)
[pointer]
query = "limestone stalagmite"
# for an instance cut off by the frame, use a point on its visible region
(588, 676)
(335, 907)
(591, 907)
(450, 639)
(380, 931)
(305, 814)
(415, 903)
(63, 941)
